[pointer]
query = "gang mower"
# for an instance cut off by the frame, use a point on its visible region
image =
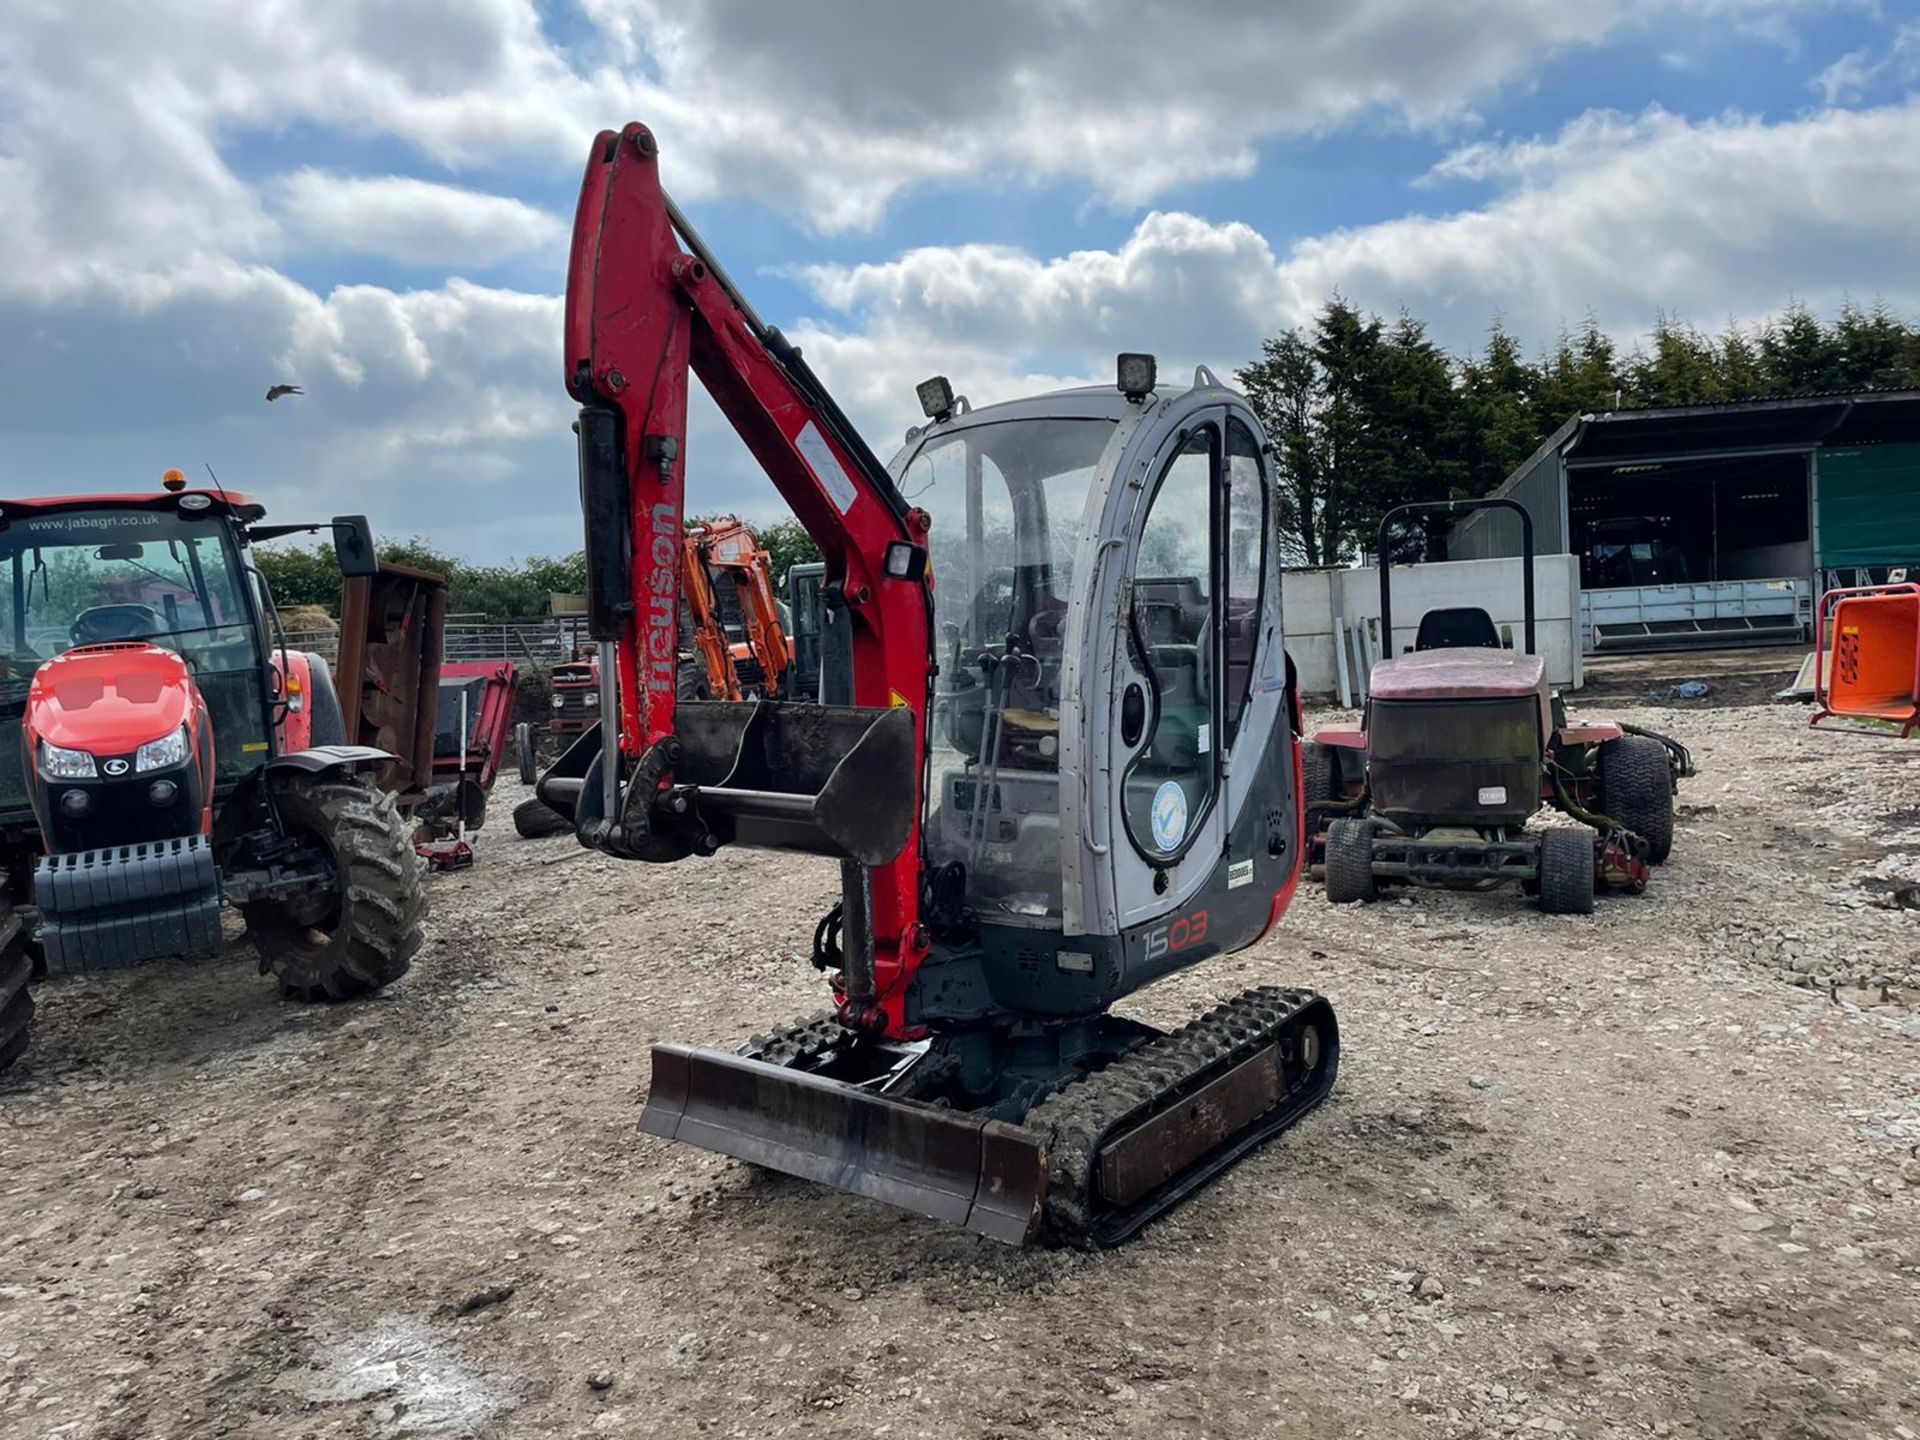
(170, 755)
(1068, 766)
(1462, 743)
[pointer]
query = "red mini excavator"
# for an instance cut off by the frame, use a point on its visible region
(1059, 758)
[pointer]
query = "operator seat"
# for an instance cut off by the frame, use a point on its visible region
(1465, 627)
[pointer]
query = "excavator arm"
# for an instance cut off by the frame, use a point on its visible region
(647, 305)
(711, 652)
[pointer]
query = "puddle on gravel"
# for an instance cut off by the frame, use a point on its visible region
(415, 1384)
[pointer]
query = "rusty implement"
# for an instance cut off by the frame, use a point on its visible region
(984, 1174)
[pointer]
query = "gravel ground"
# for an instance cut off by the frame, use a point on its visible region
(1649, 1172)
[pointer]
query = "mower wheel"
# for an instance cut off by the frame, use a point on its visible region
(1319, 781)
(536, 820)
(1349, 861)
(1566, 871)
(1636, 788)
(528, 748)
(16, 1004)
(361, 935)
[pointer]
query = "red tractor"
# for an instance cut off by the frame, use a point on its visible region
(174, 757)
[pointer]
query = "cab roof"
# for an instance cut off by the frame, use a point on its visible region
(241, 506)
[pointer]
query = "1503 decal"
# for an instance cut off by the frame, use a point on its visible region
(1177, 934)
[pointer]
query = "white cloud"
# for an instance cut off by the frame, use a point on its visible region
(1855, 74)
(836, 116)
(415, 222)
(1580, 143)
(1712, 219)
(1628, 217)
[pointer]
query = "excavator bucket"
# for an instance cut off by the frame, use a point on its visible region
(984, 1174)
(826, 779)
(836, 780)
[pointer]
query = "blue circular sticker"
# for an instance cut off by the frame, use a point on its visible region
(1169, 815)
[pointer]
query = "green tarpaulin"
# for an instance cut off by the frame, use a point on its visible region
(1870, 506)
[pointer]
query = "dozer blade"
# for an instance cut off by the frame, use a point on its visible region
(984, 1174)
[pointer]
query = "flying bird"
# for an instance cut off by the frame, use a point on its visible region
(274, 392)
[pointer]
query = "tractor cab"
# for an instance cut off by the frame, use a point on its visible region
(114, 610)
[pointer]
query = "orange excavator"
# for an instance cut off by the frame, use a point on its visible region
(723, 558)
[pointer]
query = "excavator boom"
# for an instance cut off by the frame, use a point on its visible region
(646, 306)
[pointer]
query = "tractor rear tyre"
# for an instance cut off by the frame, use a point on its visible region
(362, 934)
(16, 1004)
(1349, 861)
(1566, 872)
(536, 820)
(1636, 788)
(528, 749)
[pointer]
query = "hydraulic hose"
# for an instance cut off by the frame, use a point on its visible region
(1674, 748)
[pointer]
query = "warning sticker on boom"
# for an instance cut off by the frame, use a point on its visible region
(826, 468)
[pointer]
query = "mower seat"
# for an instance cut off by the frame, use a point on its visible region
(1465, 627)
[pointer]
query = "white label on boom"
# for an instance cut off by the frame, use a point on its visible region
(826, 468)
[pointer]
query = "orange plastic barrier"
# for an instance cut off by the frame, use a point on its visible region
(1873, 669)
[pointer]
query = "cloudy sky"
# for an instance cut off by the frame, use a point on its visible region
(372, 200)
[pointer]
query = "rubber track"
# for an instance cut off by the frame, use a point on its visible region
(801, 1044)
(1082, 1115)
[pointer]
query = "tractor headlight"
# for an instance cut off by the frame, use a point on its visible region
(591, 699)
(159, 754)
(559, 700)
(57, 763)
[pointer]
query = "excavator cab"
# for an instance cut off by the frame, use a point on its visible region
(1069, 765)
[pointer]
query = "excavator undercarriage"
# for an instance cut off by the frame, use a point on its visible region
(1068, 763)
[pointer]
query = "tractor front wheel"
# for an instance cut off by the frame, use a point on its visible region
(16, 970)
(362, 931)
(1636, 788)
(1349, 861)
(1566, 871)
